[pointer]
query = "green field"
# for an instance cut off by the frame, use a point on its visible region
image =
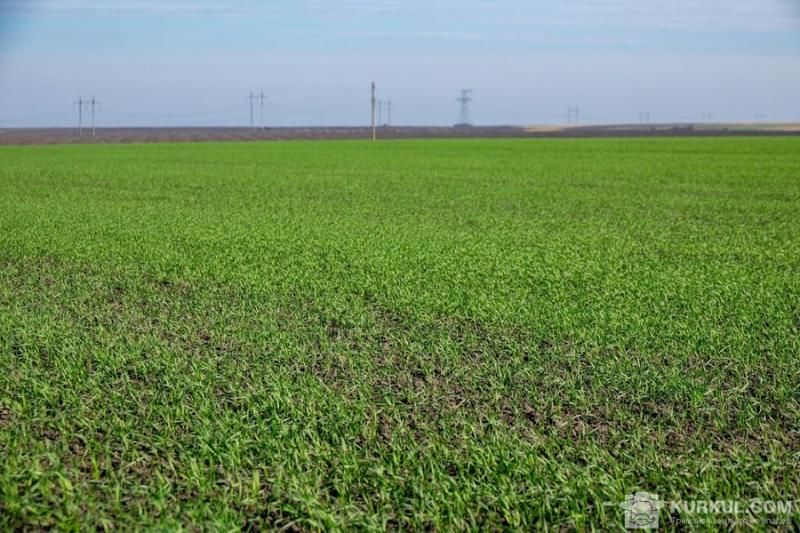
(504, 334)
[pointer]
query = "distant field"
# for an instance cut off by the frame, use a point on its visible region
(492, 334)
(29, 136)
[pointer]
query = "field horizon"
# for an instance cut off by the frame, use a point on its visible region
(157, 134)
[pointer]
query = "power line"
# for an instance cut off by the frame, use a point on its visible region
(228, 111)
(382, 111)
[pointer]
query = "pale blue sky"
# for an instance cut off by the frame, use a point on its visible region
(192, 62)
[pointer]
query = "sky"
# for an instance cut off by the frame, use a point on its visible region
(194, 62)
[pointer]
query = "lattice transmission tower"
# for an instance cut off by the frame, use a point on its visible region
(463, 111)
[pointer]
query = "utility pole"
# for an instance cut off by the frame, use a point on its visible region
(94, 104)
(262, 110)
(389, 109)
(374, 133)
(572, 112)
(80, 103)
(380, 113)
(251, 97)
(85, 105)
